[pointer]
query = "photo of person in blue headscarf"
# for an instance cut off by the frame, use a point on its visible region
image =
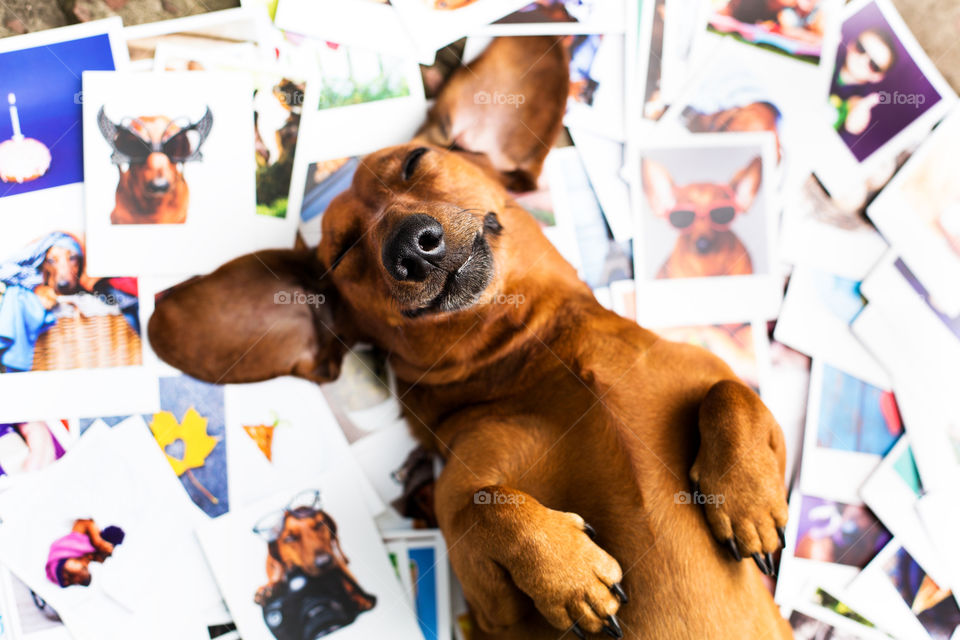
(45, 282)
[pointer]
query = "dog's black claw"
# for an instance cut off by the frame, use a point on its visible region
(761, 564)
(783, 536)
(590, 531)
(772, 567)
(618, 591)
(734, 551)
(612, 628)
(577, 631)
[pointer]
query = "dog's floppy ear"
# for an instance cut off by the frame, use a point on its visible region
(507, 104)
(260, 316)
(746, 184)
(658, 187)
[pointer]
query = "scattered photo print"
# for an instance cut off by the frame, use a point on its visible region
(934, 606)
(40, 132)
(307, 563)
(190, 430)
(102, 530)
(877, 88)
(856, 416)
(31, 446)
(158, 149)
(839, 533)
(54, 316)
(791, 27)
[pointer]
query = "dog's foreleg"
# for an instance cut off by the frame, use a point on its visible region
(739, 471)
(503, 542)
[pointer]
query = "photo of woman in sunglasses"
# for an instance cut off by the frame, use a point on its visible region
(877, 89)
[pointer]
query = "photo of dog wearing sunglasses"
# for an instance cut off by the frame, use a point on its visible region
(310, 592)
(150, 153)
(702, 214)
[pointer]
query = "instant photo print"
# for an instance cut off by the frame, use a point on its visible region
(63, 328)
(883, 95)
(110, 539)
(307, 563)
(851, 425)
(170, 173)
(828, 543)
(706, 248)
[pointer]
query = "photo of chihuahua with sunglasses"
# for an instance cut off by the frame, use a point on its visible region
(702, 213)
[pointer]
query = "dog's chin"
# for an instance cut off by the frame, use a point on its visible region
(462, 288)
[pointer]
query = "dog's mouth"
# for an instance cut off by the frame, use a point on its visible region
(463, 285)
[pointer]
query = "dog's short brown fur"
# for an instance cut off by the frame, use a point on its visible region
(551, 411)
(136, 203)
(702, 250)
(309, 545)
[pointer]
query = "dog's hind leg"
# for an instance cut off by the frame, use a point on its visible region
(503, 543)
(739, 472)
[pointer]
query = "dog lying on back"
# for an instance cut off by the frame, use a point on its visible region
(702, 214)
(568, 431)
(149, 152)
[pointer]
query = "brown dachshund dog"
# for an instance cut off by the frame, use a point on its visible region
(702, 214)
(149, 153)
(550, 411)
(308, 542)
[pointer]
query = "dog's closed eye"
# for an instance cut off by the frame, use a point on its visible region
(411, 162)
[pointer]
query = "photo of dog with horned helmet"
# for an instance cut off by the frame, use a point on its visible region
(150, 153)
(310, 591)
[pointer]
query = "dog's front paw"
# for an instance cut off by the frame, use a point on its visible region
(745, 502)
(573, 582)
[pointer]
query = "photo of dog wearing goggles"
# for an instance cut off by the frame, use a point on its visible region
(702, 214)
(310, 592)
(150, 153)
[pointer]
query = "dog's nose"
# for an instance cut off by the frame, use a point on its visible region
(159, 185)
(323, 560)
(63, 285)
(414, 248)
(703, 244)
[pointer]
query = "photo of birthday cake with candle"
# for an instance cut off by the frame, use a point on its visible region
(22, 159)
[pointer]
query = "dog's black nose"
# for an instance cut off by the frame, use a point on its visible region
(158, 186)
(703, 244)
(414, 248)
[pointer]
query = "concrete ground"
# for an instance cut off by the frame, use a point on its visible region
(22, 16)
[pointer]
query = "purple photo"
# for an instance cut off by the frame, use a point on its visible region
(877, 88)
